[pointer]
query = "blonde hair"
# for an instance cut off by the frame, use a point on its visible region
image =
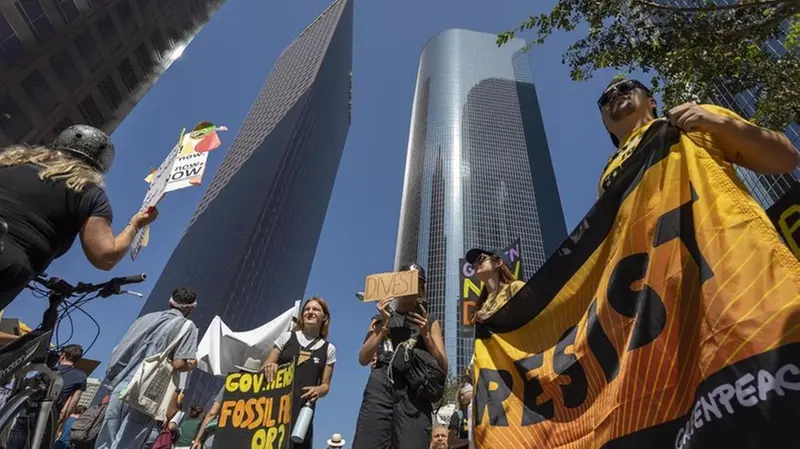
(55, 165)
(326, 324)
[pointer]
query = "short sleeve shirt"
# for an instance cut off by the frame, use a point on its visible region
(304, 341)
(74, 380)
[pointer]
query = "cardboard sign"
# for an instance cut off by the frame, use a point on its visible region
(256, 414)
(389, 285)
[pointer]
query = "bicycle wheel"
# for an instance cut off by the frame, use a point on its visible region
(18, 422)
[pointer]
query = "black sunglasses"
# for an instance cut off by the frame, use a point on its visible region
(622, 87)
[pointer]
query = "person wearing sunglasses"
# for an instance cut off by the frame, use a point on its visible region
(628, 109)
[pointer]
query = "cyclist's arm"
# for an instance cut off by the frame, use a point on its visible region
(69, 407)
(102, 249)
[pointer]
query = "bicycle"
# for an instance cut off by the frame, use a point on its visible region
(32, 353)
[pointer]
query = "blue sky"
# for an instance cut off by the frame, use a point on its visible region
(217, 79)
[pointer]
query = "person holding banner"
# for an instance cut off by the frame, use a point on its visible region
(391, 416)
(48, 196)
(315, 357)
(499, 284)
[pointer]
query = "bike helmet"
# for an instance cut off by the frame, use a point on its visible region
(89, 144)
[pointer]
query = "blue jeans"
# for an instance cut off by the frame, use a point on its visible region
(124, 427)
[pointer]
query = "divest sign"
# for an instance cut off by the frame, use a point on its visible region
(669, 319)
(255, 414)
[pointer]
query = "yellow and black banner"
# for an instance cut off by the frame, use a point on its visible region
(669, 319)
(785, 215)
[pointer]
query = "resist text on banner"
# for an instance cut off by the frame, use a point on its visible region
(256, 414)
(669, 319)
(785, 215)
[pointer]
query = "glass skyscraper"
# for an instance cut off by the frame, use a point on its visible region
(478, 170)
(86, 61)
(249, 247)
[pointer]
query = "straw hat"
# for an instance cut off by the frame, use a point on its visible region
(336, 441)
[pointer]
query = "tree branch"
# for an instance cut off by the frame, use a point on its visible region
(655, 5)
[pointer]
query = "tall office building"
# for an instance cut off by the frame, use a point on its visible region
(249, 247)
(766, 189)
(88, 396)
(85, 61)
(478, 170)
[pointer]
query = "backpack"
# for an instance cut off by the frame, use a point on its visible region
(424, 377)
(85, 429)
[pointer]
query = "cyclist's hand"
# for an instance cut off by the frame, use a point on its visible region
(144, 218)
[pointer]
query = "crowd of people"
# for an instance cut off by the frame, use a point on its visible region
(51, 195)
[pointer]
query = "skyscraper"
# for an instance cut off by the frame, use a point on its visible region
(478, 170)
(86, 61)
(249, 247)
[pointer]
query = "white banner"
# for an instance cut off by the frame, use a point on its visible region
(221, 349)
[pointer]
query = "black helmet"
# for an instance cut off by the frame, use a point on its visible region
(89, 144)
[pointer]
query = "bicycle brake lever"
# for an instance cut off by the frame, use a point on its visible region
(132, 293)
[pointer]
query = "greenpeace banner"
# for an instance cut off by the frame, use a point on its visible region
(471, 286)
(256, 414)
(785, 215)
(670, 318)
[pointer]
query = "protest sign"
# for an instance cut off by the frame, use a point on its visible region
(255, 414)
(388, 285)
(785, 215)
(471, 286)
(669, 319)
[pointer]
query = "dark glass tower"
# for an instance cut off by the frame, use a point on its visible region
(249, 247)
(86, 61)
(478, 171)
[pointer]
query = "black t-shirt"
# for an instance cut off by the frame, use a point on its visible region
(400, 330)
(45, 216)
(74, 380)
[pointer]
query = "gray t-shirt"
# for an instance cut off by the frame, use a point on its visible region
(149, 335)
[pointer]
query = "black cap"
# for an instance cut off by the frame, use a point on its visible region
(473, 254)
(416, 267)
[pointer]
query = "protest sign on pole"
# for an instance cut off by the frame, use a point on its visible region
(183, 167)
(256, 414)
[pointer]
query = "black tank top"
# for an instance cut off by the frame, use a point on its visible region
(45, 216)
(311, 365)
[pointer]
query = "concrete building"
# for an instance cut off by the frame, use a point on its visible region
(86, 61)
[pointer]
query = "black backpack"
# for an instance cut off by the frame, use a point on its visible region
(421, 371)
(85, 429)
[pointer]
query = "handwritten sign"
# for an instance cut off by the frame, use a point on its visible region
(390, 285)
(256, 414)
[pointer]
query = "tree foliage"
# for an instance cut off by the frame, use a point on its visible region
(694, 52)
(451, 388)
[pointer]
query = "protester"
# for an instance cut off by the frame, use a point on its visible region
(336, 441)
(628, 110)
(498, 282)
(459, 422)
(439, 437)
(74, 383)
(50, 195)
(315, 357)
(63, 440)
(390, 415)
(206, 431)
(124, 427)
(188, 426)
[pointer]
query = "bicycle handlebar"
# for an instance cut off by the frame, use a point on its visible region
(105, 289)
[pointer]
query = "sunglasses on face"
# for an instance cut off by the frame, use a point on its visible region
(622, 87)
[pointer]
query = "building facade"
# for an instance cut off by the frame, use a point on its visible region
(249, 247)
(478, 170)
(86, 61)
(88, 396)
